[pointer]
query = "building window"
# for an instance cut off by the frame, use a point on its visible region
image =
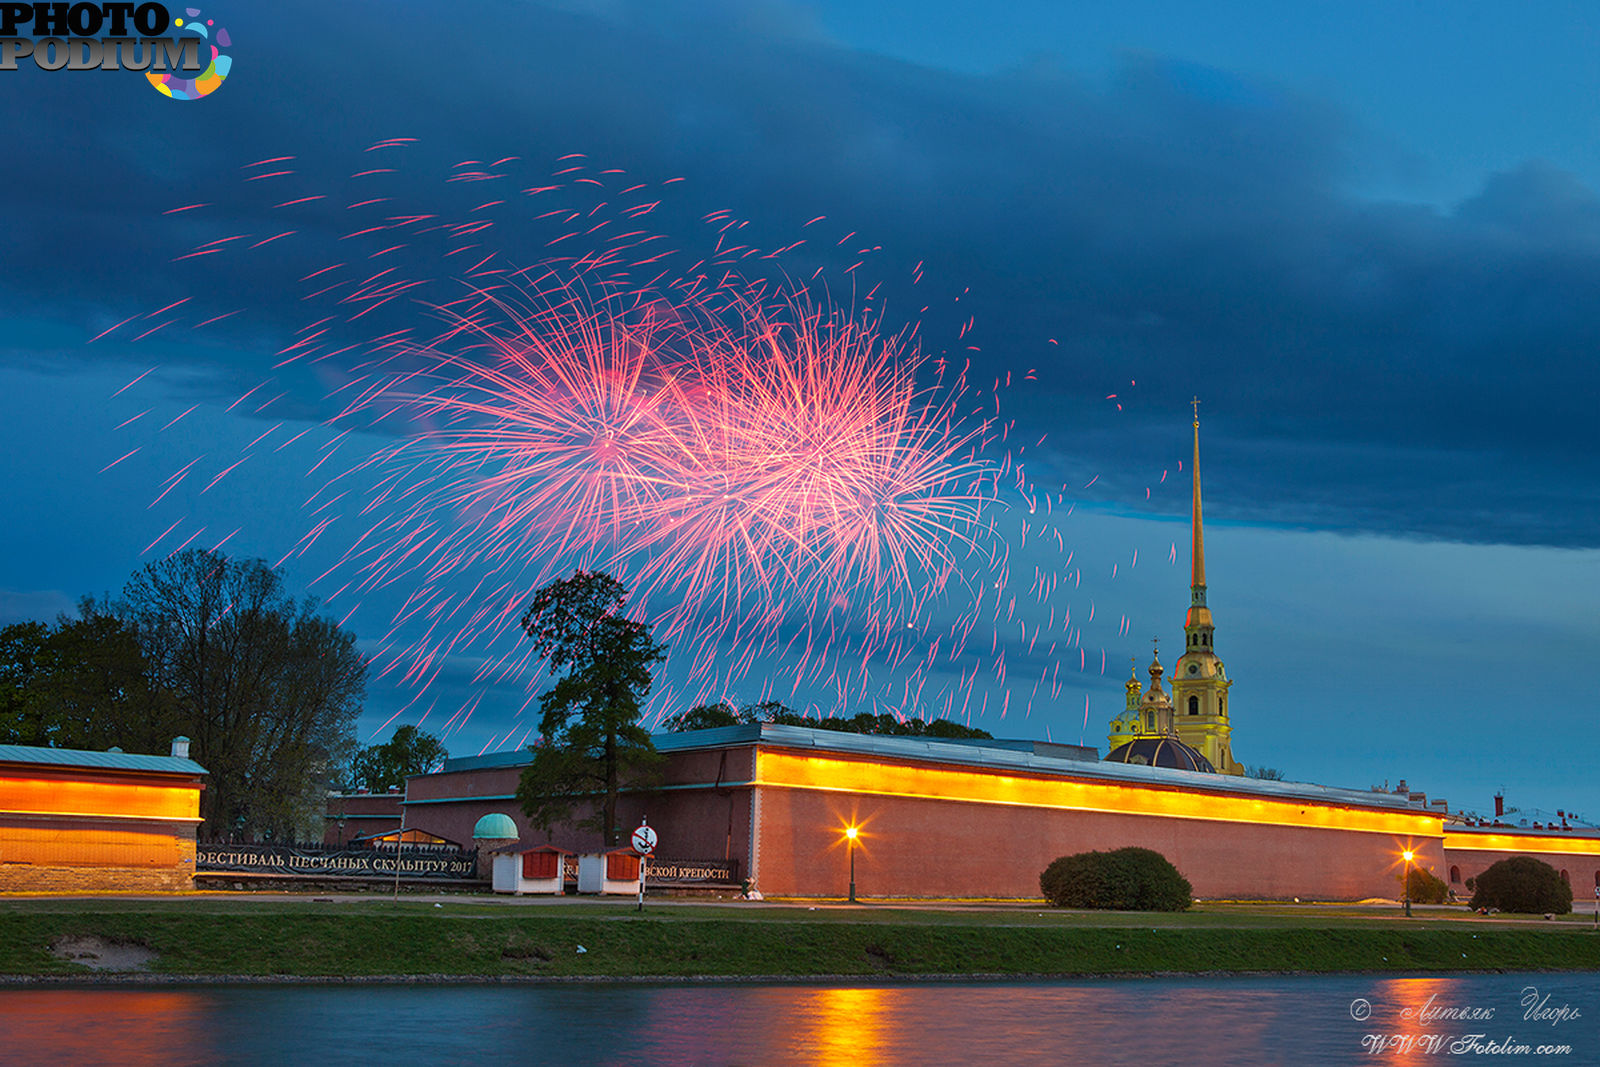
(621, 867)
(1565, 879)
(1194, 705)
(1455, 875)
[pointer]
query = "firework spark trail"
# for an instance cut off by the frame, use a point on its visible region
(785, 485)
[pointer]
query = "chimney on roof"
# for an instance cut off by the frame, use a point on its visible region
(180, 747)
(1499, 805)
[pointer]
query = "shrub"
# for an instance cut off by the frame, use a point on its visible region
(1127, 879)
(1424, 888)
(1523, 884)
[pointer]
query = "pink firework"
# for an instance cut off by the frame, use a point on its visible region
(781, 458)
(814, 509)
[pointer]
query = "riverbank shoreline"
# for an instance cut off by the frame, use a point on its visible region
(244, 940)
(152, 980)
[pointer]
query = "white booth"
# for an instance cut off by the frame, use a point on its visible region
(532, 870)
(616, 871)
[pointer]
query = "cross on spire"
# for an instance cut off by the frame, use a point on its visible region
(1196, 403)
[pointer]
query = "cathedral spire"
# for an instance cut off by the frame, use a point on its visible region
(1197, 541)
(1199, 614)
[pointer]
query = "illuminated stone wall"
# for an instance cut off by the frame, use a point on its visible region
(70, 830)
(1468, 852)
(931, 831)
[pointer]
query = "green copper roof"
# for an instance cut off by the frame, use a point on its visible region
(495, 827)
(110, 761)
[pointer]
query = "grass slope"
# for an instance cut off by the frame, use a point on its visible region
(485, 941)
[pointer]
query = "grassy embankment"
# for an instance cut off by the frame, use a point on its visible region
(358, 938)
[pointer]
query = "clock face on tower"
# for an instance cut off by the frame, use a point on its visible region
(1194, 668)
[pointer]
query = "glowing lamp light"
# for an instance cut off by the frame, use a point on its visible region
(1406, 855)
(850, 833)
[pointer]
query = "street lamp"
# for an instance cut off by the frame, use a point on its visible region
(850, 836)
(1407, 854)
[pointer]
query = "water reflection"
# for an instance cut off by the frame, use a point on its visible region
(132, 1026)
(833, 1025)
(1243, 1021)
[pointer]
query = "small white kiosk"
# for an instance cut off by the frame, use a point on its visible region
(532, 870)
(616, 871)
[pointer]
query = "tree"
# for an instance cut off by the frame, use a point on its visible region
(1124, 879)
(408, 751)
(1522, 884)
(590, 743)
(1422, 887)
(83, 683)
(707, 716)
(267, 689)
(1266, 774)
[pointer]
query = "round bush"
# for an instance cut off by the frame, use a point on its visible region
(1523, 884)
(1126, 879)
(1425, 888)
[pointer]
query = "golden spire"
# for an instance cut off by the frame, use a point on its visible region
(1197, 542)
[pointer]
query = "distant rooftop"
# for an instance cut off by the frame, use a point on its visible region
(111, 761)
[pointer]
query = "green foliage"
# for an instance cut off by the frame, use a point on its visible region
(408, 751)
(82, 683)
(703, 717)
(1424, 888)
(707, 716)
(590, 739)
(1125, 879)
(1523, 884)
(210, 648)
(267, 689)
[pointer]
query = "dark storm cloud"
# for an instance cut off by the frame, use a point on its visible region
(1364, 365)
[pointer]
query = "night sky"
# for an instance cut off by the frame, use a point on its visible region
(1366, 236)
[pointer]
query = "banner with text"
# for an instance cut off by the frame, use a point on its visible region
(422, 862)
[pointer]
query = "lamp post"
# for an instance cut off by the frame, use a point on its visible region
(850, 837)
(1407, 854)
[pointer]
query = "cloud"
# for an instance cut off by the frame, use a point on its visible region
(1365, 365)
(34, 605)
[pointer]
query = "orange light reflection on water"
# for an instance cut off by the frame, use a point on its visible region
(1411, 1010)
(845, 1025)
(132, 1028)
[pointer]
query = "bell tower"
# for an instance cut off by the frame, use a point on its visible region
(1199, 683)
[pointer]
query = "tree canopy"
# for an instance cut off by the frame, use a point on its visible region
(709, 716)
(82, 683)
(591, 743)
(208, 647)
(268, 689)
(408, 751)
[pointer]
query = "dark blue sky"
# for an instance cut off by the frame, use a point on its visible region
(1368, 237)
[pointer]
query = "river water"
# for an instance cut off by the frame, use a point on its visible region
(1240, 1021)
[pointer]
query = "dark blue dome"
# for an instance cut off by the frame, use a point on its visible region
(1161, 752)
